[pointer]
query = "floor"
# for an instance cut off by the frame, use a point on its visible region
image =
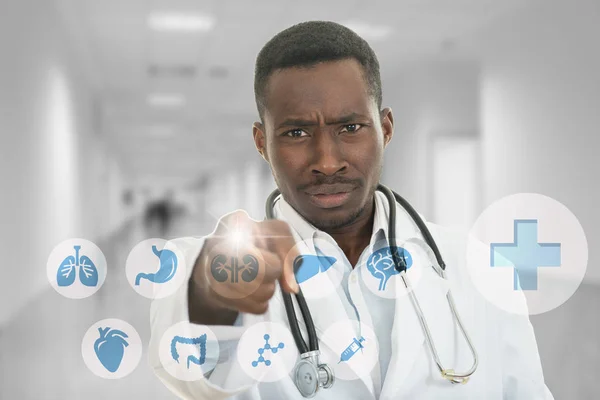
(40, 350)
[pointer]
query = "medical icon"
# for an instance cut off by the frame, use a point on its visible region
(525, 254)
(111, 348)
(188, 351)
(76, 268)
(319, 266)
(77, 265)
(307, 266)
(156, 268)
(352, 348)
(198, 342)
(381, 264)
(263, 351)
(267, 347)
(225, 268)
(167, 270)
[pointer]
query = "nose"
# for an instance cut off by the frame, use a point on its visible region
(328, 155)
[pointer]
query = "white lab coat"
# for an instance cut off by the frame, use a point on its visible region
(509, 364)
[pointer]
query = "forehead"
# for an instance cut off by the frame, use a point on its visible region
(327, 89)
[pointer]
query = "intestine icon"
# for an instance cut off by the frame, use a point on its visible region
(67, 271)
(199, 342)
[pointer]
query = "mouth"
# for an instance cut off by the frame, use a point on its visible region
(330, 196)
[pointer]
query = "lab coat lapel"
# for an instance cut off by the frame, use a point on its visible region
(321, 311)
(322, 308)
(408, 339)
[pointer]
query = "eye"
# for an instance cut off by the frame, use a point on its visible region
(351, 128)
(295, 133)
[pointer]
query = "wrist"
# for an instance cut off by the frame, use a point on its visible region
(203, 305)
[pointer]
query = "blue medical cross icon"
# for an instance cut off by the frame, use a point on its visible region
(525, 254)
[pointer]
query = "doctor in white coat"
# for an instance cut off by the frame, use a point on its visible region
(323, 132)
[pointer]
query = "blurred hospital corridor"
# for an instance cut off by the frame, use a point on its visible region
(124, 120)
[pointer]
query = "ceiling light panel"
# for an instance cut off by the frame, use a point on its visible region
(181, 22)
(369, 31)
(166, 100)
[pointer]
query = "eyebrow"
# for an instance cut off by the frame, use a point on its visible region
(299, 122)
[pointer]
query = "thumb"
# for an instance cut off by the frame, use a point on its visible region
(288, 277)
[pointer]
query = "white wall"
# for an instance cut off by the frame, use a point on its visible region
(540, 94)
(245, 187)
(53, 165)
(431, 97)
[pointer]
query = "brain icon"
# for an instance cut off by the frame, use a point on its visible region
(381, 264)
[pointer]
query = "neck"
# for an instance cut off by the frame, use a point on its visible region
(354, 238)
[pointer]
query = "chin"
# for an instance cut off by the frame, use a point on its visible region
(335, 220)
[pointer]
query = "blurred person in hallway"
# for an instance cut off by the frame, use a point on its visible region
(159, 215)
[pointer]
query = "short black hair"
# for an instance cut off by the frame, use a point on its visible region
(309, 43)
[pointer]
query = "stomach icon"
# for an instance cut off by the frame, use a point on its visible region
(167, 270)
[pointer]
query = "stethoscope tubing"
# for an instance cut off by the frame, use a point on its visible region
(400, 265)
(313, 344)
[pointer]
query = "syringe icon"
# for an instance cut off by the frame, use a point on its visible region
(352, 349)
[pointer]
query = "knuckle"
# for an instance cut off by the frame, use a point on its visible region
(269, 289)
(273, 268)
(240, 213)
(239, 216)
(255, 308)
(263, 307)
(282, 226)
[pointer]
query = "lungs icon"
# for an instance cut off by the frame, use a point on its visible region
(65, 276)
(88, 273)
(110, 348)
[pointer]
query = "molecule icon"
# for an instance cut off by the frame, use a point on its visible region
(261, 351)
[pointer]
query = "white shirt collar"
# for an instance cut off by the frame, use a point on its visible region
(305, 231)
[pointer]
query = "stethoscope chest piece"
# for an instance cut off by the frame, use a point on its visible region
(309, 376)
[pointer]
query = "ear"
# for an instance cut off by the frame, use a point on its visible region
(260, 139)
(387, 125)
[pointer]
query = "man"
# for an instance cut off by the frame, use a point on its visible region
(323, 132)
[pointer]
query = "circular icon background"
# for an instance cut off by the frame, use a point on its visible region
(354, 349)
(235, 271)
(188, 351)
(76, 268)
(267, 352)
(155, 268)
(319, 275)
(381, 277)
(527, 248)
(111, 348)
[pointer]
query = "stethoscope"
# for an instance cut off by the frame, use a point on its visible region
(309, 374)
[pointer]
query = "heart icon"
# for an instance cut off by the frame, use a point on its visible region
(110, 348)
